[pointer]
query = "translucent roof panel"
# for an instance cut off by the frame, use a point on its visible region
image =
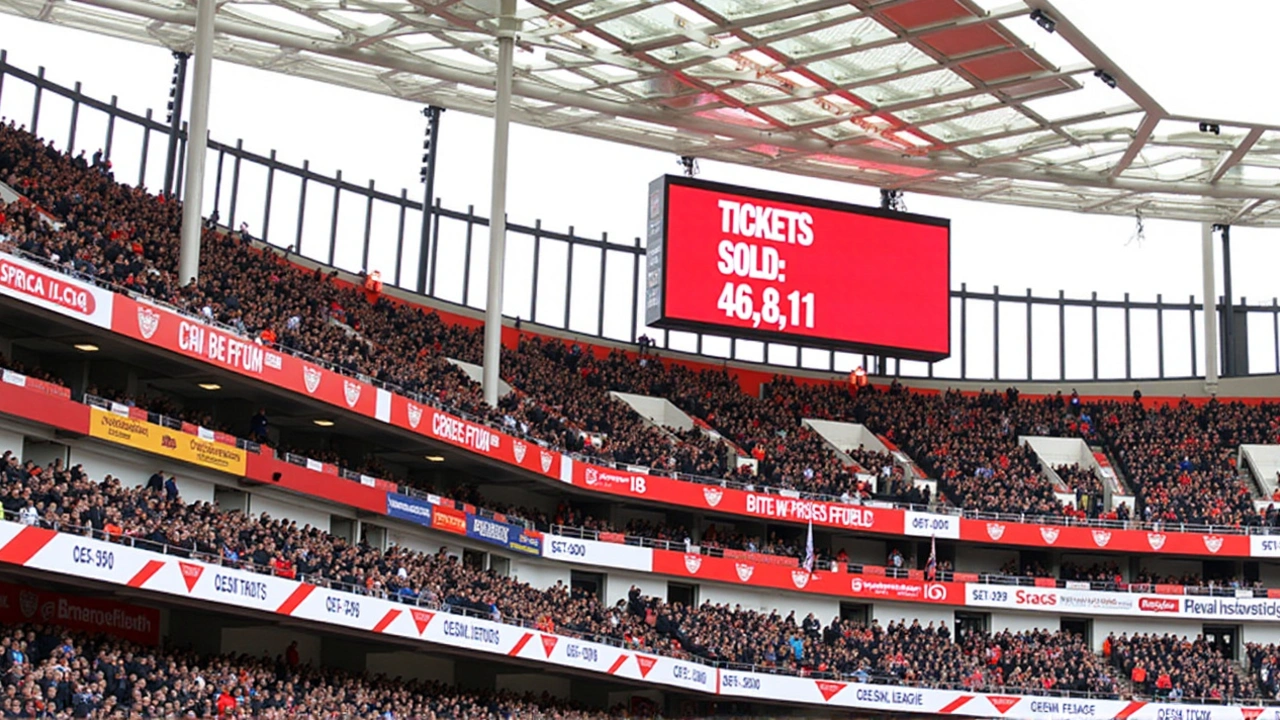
(965, 98)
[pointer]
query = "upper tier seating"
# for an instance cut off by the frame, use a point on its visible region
(126, 237)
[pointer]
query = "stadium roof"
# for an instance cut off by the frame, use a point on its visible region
(965, 98)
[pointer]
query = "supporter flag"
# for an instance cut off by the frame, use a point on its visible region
(931, 567)
(808, 549)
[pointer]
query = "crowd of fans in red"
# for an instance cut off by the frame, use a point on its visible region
(902, 653)
(969, 443)
(49, 673)
(1177, 458)
(1175, 668)
(567, 517)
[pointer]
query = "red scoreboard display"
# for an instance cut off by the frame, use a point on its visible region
(748, 263)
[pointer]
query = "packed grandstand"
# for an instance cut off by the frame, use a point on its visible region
(943, 456)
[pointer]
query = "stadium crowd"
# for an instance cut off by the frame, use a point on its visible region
(1264, 665)
(1173, 667)
(125, 236)
(50, 673)
(569, 518)
(155, 515)
(1183, 457)
(1179, 459)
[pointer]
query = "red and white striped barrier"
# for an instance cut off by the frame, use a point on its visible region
(84, 558)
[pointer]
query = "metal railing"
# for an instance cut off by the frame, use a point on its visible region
(435, 402)
(1001, 579)
(1160, 325)
(569, 531)
(153, 126)
(446, 606)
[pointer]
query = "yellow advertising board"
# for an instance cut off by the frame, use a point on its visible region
(160, 440)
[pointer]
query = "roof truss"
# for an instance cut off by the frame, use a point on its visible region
(935, 96)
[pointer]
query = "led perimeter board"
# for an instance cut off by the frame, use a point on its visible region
(768, 266)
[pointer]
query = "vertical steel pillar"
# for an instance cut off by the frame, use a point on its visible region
(75, 119)
(429, 146)
(197, 140)
(404, 205)
(1228, 307)
(964, 345)
(177, 92)
(235, 185)
(1210, 309)
(1160, 335)
(368, 230)
(111, 130)
(635, 303)
(995, 333)
(333, 223)
(35, 102)
(604, 262)
(146, 145)
(507, 25)
(533, 286)
(1030, 305)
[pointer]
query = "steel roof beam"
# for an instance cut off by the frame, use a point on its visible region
(1236, 155)
(1139, 141)
(907, 36)
(1094, 54)
(185, 17)
(331, 48)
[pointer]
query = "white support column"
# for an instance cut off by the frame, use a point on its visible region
(1207, 266)
(197, 137)
(507, 25)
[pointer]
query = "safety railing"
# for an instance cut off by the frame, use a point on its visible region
(435, 402)
(457, 606)
(1143, 339)
(1225, 589)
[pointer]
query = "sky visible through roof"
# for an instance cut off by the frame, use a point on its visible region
(1192, 60)
(1195, 58)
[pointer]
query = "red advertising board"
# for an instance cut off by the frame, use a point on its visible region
(782, 267)
(823, 582)
(446, 519)
(170, 331)
(474, 437)
(20, 604)
(43, 408)
(757, 557)
(888, 521)
(1114, 540)
(30, 383)
(264, 468)
(176, 333)
(46, 288)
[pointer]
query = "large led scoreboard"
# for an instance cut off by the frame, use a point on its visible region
(747, 263)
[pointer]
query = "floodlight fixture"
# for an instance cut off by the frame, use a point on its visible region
(1044, 21)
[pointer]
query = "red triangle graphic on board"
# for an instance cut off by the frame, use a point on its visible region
(829, 689)
(549, 643)
(646, 664)
(421, 618)
(190, 574)
(1002, 703)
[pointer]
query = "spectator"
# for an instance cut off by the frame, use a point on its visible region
(258, 426)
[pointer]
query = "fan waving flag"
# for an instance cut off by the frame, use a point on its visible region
(808, 550)
(931, 567)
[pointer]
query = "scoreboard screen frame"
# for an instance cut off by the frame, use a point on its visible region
(657, 296)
